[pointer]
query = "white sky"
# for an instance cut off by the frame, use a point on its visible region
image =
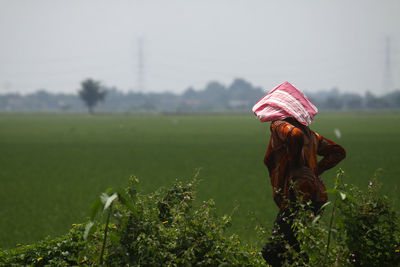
(315, 44)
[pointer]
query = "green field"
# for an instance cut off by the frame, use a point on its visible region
(52, 167)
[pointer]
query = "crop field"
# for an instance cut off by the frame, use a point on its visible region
(53, 166)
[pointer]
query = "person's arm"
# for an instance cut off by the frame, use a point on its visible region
(332, 154)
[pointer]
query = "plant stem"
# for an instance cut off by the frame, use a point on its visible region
(105, 235)
(330, 230)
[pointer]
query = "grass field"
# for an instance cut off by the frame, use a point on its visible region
(52, 167)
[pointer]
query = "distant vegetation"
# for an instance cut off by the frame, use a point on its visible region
(240, 95)
(91, 93)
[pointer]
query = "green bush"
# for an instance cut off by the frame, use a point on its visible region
(127, 228)
(372, 227)
(359, 229)
(169, 228)
(63, 251)
(166, 228)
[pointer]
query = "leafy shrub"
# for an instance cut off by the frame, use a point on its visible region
(168, 228)
(361, 229)
(371, 227)
(127, 228)
(61, 251)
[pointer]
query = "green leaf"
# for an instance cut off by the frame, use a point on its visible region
(126, 200)
(134, 180)
(331, 191)
(115, 238)
(87, 230)
(109, 200)
(351, 198)
(104, 197)
(325, 205)
(316, 219)
(94, 209)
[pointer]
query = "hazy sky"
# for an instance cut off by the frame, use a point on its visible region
(315, 44)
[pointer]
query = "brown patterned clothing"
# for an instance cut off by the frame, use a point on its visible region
(292, 157)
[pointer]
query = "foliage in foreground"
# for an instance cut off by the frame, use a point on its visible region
(165, 228)
(360, 229)
(62, 251)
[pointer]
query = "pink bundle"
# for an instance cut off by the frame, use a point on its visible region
(285, 101)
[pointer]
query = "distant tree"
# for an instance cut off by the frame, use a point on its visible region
(333, 103)
(375, 102)
(190, 94)
(239, 89)
(333, 100)
(393, 99)
(214, 96)
(91, 93)
(352, 101)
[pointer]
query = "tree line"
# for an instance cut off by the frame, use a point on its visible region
(238, 96)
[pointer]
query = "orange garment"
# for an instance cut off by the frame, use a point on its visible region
(292, 157)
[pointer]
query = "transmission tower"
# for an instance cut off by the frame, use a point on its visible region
(387, 74)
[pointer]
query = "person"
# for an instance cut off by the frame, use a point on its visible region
(292, 162)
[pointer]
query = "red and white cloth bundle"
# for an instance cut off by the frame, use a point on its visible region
(285, 101)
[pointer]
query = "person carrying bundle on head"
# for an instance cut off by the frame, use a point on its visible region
(291, 159)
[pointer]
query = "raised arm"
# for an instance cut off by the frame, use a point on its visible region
(332, 154)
